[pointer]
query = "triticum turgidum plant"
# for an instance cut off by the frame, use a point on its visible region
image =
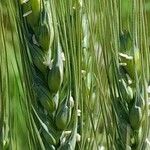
(74, 74)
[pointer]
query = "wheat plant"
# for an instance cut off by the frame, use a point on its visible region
(74, 74)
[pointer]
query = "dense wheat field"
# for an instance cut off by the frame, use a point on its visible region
(74, 74)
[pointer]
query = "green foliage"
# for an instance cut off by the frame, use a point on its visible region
(74, 74)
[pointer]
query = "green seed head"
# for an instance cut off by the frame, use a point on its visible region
(126, 91)
(38, 58)
(54, 79)
(45, 98)
(133, 64)
(44, 38)
(55, 75)
(129, 93)
(135, 117)
(62, 118)
(36, 8)
(45, 31)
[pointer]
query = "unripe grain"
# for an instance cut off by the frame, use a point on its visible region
(135, 117)
(55, 75)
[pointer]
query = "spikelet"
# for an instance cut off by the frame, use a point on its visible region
(55, 75)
